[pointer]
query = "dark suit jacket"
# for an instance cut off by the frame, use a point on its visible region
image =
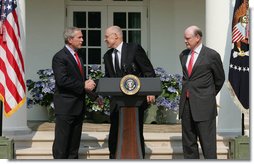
(69, 87)
(205, 82)
(132, 54)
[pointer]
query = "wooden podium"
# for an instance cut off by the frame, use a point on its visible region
(128, 142)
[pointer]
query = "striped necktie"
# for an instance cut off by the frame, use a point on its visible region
(117, 67)
(78, 62)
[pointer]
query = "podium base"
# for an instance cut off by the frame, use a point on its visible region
(128, 143)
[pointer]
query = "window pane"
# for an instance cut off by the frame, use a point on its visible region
(94, 20)
(84, 71)
(135, 36)
(134, 20)
(94, 56)
(79, 19)
(94, 38)
(124, 36)
(82, 54)
(120, 19)
(84, 37)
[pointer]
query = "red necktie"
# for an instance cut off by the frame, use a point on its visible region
(190, 70)
(191, 63)
(78, 62)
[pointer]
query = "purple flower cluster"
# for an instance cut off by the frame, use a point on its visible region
(41, 91)
(95, 73)
(171, 89)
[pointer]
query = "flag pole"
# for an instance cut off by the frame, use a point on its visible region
(1, 118)
(243, 124)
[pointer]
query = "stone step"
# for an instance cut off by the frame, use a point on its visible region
(38, 145)
(95, 139)
(100, 136)
(102, 153)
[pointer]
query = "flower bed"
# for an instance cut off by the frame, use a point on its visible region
(41, 93)
(171, 89)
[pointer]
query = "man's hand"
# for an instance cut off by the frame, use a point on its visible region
(89, 85)
(150, 99)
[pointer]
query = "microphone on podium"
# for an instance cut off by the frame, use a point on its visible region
(125, 69)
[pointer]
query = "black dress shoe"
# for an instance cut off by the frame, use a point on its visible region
(112, 156)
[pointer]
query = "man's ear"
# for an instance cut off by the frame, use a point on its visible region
(70, 40)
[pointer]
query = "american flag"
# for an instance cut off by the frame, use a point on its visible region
(239, 58)
(12, 78)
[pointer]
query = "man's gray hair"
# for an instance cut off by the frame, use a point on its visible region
(69, 33)
(197, 31)
(117, 30)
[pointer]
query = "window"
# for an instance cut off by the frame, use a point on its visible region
(90, 24)
(94, 17)
(130, 22)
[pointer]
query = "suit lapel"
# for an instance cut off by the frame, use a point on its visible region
(185, 57)
(82, 64)
(69, 55)
(109, 58)
(71, 58)
(124, 54)
(199, 59)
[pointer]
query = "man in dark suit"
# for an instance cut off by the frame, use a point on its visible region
(131, 58)
(70, 89)
(203, 77)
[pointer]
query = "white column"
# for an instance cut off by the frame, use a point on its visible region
(218, 36)
(17, 123)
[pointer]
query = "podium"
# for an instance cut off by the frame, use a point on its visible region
(128, 142)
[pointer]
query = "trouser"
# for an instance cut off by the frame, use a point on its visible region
(192, 130)
(68, 131)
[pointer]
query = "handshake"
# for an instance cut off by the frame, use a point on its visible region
(89, 86)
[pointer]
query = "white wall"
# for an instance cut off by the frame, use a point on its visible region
(168, 19)
(45, 25)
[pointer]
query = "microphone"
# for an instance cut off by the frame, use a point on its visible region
(133, 69)
(125, 69)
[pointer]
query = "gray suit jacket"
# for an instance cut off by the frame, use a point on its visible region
(205, 82)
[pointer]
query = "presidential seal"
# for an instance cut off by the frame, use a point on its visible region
(130, 84)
